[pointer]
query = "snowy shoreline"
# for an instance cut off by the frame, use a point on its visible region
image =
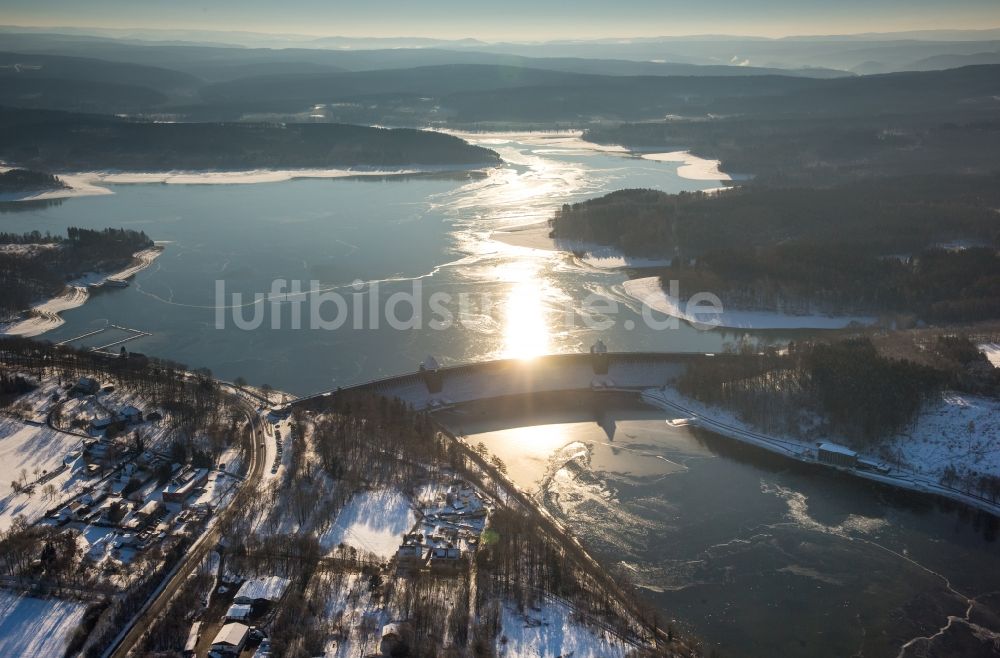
(602, 257)
(45, 316)
(648, 291)
(920, 476)
(691, 166)
(90, 183)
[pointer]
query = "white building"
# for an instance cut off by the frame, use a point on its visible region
(230, 639)
(238, 612)
(258, 590)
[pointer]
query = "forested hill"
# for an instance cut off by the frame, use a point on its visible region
(75, 142)
(869, 247)
(883, 216)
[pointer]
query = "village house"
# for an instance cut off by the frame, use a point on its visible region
(87, 386)
(146, 515)
(447, 558)
(410, 556)
(130, 414)
(181, 487)
(238, 612)
(393, 639)
(230, 639)
(261, 591)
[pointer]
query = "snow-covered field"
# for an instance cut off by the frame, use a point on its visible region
(959, 430)
(550, 631)
(29, 447)
(648, 291)
(373, 521)
(36, 628)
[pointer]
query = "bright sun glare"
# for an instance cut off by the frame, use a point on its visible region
(525, 330)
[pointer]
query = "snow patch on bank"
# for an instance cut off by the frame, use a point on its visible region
(958, 430)
(648, 291)
(607, 258)
(251, 177)
(692, 167)
(79, 185)
(91, 183)
(992, 352)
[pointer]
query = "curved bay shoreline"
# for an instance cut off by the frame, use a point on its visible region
(45, 316)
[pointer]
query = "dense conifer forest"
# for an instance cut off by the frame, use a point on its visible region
(902, 245)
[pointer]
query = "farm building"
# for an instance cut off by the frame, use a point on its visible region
(259, 590)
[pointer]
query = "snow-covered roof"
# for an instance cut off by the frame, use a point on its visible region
(392, 628)
(430, 363)
(129, 410)
(238, 611)
(192, 639)
(151, 507)
(232, 634)
(837, 448)
(270, 588)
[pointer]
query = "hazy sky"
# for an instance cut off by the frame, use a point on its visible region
(512, 19)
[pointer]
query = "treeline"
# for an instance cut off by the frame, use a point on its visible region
(886, 216)
(371, 439)
(62, 141)
(26, 180)
(938, 285)
(859, 247)
(30, 237)
(112, 240)
(820, 151)
(46, 554)
(519, 563)
(27, 275)
(844, 388)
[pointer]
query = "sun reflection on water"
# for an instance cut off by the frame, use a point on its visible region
(526, 331)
